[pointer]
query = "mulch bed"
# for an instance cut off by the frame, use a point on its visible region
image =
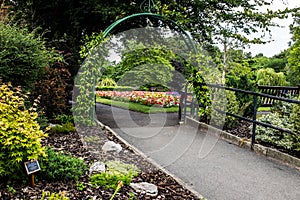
(168, 187)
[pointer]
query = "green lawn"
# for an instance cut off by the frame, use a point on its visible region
(136, 106)
(266, 109)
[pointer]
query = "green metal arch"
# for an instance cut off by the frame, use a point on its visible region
(172, 23)
(189, 42)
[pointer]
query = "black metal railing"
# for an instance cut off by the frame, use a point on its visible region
(279, 91)
(253, 120)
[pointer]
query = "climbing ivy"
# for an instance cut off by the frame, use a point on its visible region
(86, 79)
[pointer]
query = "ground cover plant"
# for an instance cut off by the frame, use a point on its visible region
(116, 171)
(283, 115)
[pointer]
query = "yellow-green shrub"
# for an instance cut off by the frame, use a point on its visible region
(20, 134)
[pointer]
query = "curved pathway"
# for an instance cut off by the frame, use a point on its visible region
(214, 168)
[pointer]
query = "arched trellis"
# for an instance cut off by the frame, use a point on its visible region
(87, 89)
(189, 42)
(172, 24)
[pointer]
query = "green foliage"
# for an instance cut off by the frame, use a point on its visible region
(11, 189)
(53, 91)
(295, 117)
(269, 77)
(86, 79)
(23, 56)
(20, 134)
(115, 171)
(293, 66)
(283, 108)
(274, 137)
(117, 88)
(64, 128)
(80, 186)
(242, 77)
(43, 121)
(144, 66)
(64, 118)
(202, 70)
(107, 82)
(226, 102)
(154, 87)
(278, 62)
(58, 166)
(53, 196)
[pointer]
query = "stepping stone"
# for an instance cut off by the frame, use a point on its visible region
(111, 146)
(97, 168)
(146, 188)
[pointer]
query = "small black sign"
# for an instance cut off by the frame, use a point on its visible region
(32, 166)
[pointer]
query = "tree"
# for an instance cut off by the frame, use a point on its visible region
(66, 21)
(293, 67)
(269, 77)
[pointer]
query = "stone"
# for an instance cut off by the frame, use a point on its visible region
(146, 188)
(97, 168)
(53, 125)
(111, 146)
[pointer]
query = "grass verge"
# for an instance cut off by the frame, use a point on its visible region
(264, 109)
(135, 106)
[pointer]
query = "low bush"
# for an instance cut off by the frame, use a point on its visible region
(274, 137)
(64, 128)
(115, 171)
(295, 117)
(23, 56)
(59, 166)
(227, 104)
(53, 196)
(107, 82)
(53, 91)
(64, 118)
(20, 134)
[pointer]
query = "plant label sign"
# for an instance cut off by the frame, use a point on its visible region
(32, 166)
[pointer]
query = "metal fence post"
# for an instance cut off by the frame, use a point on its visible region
(185, 101)
(254, 120)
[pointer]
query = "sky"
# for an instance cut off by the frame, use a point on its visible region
(280, 35)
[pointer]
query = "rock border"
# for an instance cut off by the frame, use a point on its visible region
(154, 163)
(268, 152)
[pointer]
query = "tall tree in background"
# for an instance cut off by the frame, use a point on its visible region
(66, 21)
(293, 68)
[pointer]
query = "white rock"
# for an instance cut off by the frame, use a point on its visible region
(144, 187)
(97, 167)
(111, 146)
(53, 125)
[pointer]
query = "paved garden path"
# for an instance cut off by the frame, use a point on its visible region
(214, 168)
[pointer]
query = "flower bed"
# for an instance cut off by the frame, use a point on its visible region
(162, 99)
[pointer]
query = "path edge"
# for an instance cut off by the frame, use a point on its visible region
(137, 151)
(268, 152)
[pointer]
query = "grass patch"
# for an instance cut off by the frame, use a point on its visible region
(264, 109)
(136, 106)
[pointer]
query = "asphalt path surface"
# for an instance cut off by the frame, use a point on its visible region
(214, 168)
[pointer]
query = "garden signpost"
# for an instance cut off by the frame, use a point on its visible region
(32, 167)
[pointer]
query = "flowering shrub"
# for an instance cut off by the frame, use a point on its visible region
(163, 99)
